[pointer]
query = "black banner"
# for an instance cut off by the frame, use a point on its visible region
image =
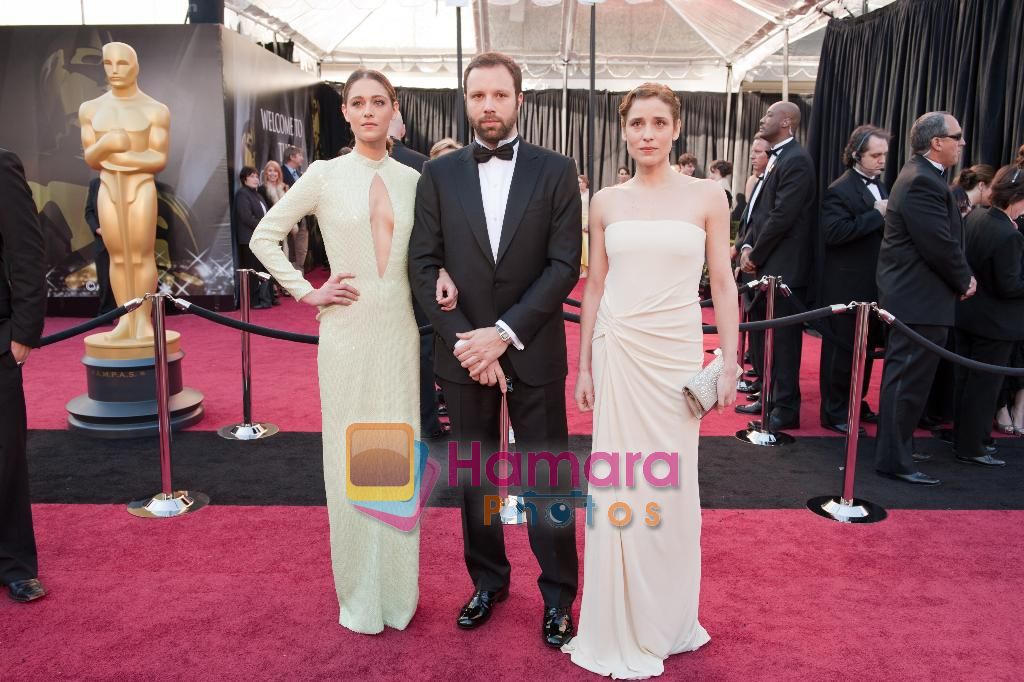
(196, 70)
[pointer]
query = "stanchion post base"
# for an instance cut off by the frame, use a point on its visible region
(513, 513)
(161, 506)
(846, 511)
(247, 431)
(755, 435)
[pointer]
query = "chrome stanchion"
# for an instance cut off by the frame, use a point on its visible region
(512, 512)
(846, 508)
(759, 432)
(247, 430)
(168, 502)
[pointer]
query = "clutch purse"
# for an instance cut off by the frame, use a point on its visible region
(701, 392)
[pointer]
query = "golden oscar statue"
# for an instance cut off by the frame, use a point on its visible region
(126, 137)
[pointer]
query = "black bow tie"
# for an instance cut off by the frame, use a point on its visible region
(871, 181)
(484, 154)
(773, 151)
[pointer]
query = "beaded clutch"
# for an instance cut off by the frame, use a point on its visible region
(701, 392)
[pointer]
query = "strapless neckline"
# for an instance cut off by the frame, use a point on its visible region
(656, 220)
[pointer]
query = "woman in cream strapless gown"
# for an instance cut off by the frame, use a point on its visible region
(368, 356)
(641, 341)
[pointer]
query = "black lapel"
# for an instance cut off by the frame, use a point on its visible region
(524, 179)
(468, 188)
(861, 188)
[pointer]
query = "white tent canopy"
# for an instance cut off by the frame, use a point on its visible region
(688, 44)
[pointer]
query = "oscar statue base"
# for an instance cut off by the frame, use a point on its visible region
(121, 397)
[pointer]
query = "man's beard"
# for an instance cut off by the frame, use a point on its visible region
(495, 135)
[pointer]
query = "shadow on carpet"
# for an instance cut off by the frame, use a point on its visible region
(287, 469)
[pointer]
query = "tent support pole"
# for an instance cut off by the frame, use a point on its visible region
(785, 66)
(728, 112)
(592, 109)
(460, 114)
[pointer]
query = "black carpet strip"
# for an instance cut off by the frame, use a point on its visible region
(287, 470)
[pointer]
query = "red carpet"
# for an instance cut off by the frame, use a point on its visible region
(246, 593)
(284, 372)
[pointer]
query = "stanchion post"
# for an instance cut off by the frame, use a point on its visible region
(760, 433)
(848, 509)
(512, 510)
(168, 502)
(247, 430)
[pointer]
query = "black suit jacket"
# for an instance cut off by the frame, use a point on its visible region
(92, 218)
(22, 259)
(407, 157)
(995, 252)
(921, 265)
(851, 232)
(782, 223)
(248, 213)
(537, 265)
(286, 175)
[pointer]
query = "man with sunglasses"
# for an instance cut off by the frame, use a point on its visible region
(922, 272)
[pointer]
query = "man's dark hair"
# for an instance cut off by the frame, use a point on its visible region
(246, 172)
(290, 153)
(489, 59)
(858, 142)
(687, 160)
(724, 168)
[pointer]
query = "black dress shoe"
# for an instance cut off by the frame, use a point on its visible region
(777, 423)
(753, 397)
(920, 457)
(478, 609)
(26, 590)
(929, 423)
(842, 428)
(558, 628)
(752, 408)
(867, 415)
(749, 387)
(982, 460)
(752, 373)
(917, 478)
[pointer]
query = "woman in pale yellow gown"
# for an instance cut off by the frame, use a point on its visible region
(640, 342)
(368, 356)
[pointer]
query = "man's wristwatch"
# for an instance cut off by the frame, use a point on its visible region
(502, 334)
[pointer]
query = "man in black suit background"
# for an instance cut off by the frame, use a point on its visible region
(503, 218)
(22, 309)
(399, 152)
(92, 219)
(922, 271)
(778, 241)
(852, 219)
(430, 422)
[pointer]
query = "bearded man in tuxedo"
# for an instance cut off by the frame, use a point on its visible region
(502, 216)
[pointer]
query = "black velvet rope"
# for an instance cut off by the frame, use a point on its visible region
(950, 355)
(761, 325)
(249, 327)
(84, 327)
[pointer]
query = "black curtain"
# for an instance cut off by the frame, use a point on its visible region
(430, 115)
(890, 66)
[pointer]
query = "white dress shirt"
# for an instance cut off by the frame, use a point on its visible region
(495, 183)
(872, 187)
(938, 166)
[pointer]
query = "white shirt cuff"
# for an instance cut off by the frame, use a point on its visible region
(515, 339)
(746, 246)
